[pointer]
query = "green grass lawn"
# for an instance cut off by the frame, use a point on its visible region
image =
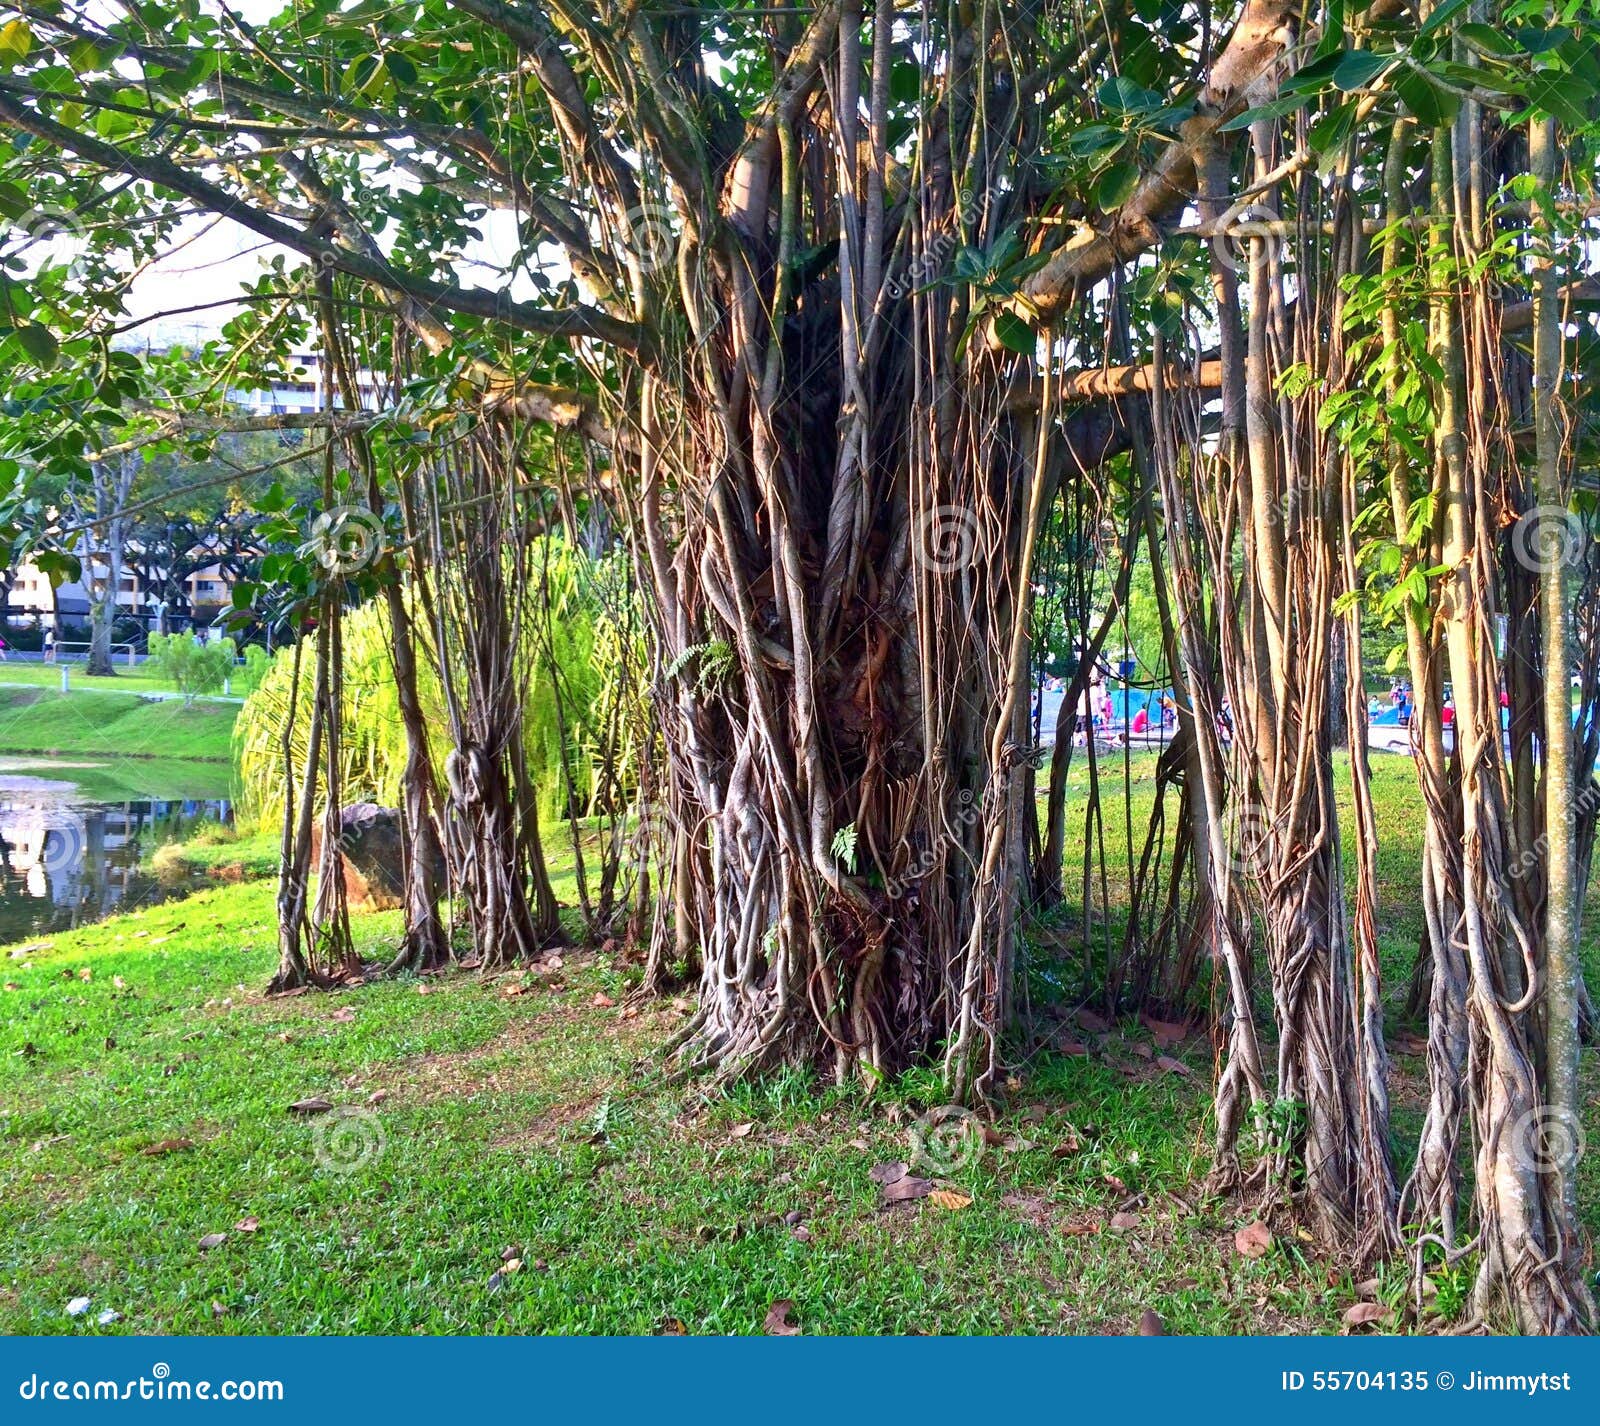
(145, 1085)
(118, 726)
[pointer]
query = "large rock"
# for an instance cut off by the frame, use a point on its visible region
(374, 856)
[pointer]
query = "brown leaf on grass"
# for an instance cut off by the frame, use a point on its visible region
(1253, 1240)
(1363, 1313)
(247, 1225)
(1076, 1048)
(887, 1173)
(424, 990)
(1408, 1043)
(741, 1131)
(1080, 1228)
(315, 1104)
(167, 1146)
(907, 1189)
(1151, 1325)
(1367, 1287)
(377, 1096)
(1124, 1222)
(672, 1327)
(1115, 1184)
(1143, 1050)
(1167, 1032)
(512, 990)
(1068, 1146)
(1093, 1022)
(1172, 1066)
(948, 1198)
(212, 1240)
(602, 1000)
(780, 1321)
(345, 1014)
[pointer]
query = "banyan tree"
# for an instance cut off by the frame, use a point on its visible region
(832, 309)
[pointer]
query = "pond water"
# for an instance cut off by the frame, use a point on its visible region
(70, 854)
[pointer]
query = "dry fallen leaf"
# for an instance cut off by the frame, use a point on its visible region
(948, 1198)
(1364, 1312)
(741, 1131)
(316, 1104)
(377, 1096)
(1144, 1051)
(1095, 1024)
(1124, 1222)
(1253, 1239)
(672, 1327)
(1167, 1032)
(887, 1173)
(1172, 1066)
(212, 1240)
(1068, 1146)
(907, 1189)
(247, 1225)
(780, 1321)
(1151, 1325)
(167, 1146)
(345, 1014)
(1076, 1048)
(1080, 1228)
(603, 1000)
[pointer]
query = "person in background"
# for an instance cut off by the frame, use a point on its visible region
(49, 645)
(5, 648)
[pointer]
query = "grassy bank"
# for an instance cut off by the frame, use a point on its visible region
(145, 1093)
(118, 725)
(482, 1120)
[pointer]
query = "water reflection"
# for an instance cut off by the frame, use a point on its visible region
(65, 864)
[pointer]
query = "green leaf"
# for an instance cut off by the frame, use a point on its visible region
(1489, 40)
(1359, 68)
(40, 344)
(1014, 334)
(1116, 186)
(1277, 109)
(1428, 104)
(1122, 95)
(16, 41)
